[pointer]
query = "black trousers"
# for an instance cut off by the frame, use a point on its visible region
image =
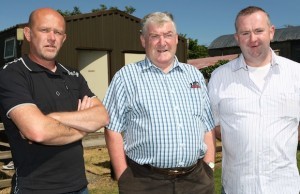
(138, 179)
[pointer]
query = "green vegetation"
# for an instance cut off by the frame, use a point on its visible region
(98, 172)
(207, 71)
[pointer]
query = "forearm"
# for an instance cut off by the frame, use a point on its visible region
(87, 120)
(57, 133)
(210, 141)
(114, 143)
(36, 127)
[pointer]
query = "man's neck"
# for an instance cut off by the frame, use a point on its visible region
(44, 63)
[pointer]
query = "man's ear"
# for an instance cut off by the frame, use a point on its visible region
(236, 37)
(65, 37)
(27, 33)
(142, 38)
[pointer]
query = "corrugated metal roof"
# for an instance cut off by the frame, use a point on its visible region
(282, 34)
(209, 61)
(290, 33)
(101, 13)
(22, 25)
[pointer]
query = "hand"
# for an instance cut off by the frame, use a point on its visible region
(85, 103)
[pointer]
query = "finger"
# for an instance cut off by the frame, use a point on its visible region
(89, 102)
(79, 104)
(84, 103)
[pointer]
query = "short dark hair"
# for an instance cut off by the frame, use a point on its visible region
(248, 11)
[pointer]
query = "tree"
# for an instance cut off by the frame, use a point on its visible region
(129, 9)
(102, 8)
(195, 50)
(113, 7)
(75, 11)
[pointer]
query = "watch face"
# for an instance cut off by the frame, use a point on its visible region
(211, 165)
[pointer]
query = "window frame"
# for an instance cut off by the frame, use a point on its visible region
(9, 48)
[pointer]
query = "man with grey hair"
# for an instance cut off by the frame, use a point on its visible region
(160, 137)
(256, 104)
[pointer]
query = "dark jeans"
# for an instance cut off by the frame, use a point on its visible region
(81, 191)
(223, 192)
(137, 179)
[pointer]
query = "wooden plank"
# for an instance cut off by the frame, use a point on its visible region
(5, 183)
(5, 155)
(4, 144)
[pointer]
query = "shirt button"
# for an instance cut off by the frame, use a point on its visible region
(180, 164)
(179, 125)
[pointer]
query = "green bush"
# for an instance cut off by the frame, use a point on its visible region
(208, 70)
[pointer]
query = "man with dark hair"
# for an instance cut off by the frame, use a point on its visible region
(256, 104)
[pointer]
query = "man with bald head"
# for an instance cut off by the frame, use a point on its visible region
(47, 109)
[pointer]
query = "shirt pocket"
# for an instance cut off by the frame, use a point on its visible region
(195, 101)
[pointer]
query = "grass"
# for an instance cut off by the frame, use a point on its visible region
(98, 172)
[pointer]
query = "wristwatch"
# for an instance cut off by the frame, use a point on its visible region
(211, 165)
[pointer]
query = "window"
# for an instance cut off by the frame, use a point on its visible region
(277, 52)
(9, 48)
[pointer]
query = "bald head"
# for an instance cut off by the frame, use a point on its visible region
(43, 12)
(46, 33)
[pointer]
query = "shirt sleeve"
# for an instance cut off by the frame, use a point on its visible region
(207, 114)
(84, 88)
(213, 96)
(115, 102)
(14, 89)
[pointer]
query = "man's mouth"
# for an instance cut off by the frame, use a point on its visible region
(162, 51)
(50, 46)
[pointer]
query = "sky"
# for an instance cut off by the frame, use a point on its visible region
(204, 20)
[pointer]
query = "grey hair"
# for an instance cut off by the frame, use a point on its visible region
(158, 18)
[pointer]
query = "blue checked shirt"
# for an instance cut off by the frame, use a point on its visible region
(163, 117)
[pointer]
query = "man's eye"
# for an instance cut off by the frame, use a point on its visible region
(58, 33)
(168, 36)
(245, 33)
(45, 30)
(154, 36)
(259, 31)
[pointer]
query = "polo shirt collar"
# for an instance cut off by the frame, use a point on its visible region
(34, 67)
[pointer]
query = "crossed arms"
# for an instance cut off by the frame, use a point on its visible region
(60, 128)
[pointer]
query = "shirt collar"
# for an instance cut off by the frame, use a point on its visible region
(34, 67)
(241, 64)
(148, 64)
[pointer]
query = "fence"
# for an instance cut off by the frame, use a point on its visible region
(4, 155)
